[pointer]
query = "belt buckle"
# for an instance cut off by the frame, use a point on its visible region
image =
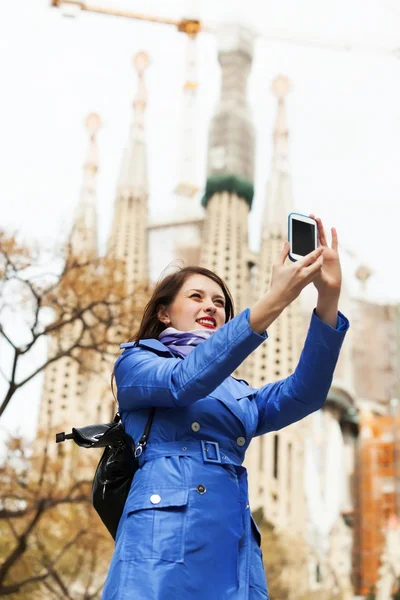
(206, 458)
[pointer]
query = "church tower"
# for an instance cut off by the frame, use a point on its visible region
(83, 238)
(62, 404)
(283, 346)
(128, 239)
(275, 460)
(179, 232)
(229, 189)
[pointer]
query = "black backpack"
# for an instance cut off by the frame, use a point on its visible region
(117, 465)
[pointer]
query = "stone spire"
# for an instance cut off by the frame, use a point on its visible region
(178, 233)
(66, 398)
(83, 238)
(133, 179)
(229, 189)
(231, 138)
(128, 239)
(275, 461)
(187, 187)
(279, 196)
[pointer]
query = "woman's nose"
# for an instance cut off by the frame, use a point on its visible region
(210, 307)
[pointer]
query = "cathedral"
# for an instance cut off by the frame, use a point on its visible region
(301, 479)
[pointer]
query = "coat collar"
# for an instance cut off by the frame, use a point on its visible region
(151, 344)
(156, 346)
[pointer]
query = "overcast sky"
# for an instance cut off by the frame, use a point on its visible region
(343, 113)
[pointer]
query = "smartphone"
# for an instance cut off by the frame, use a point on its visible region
(302, 235)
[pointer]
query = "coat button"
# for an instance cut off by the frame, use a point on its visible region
(241, 441)
(155, 499)
(195, 426)
(201, 488)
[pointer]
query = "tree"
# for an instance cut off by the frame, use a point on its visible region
(80, 306)
(52, 543)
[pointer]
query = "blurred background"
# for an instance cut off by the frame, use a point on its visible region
(137, 136)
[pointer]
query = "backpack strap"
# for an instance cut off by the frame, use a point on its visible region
(143, 440)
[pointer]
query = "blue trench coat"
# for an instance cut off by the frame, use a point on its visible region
(187, 532)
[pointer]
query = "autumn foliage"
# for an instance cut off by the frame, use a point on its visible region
(52, 543)
(53, 305)
(79, 305)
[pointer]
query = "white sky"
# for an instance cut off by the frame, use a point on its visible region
(343, 113)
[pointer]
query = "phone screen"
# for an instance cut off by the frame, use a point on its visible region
(303, 237)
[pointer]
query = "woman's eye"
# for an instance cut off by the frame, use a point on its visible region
(220, 302)
(195, 296)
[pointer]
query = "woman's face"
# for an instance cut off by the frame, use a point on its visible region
(199, 304)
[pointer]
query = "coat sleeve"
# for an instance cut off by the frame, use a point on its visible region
(305, 391)
(145, 379)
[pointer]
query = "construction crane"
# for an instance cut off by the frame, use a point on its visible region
(192, 27)
(187, 186)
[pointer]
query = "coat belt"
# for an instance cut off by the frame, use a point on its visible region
(205, 450)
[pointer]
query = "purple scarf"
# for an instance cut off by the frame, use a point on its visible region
(182, 343)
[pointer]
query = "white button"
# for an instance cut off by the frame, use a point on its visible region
(195, 426)
(155, 499)
(240, 441)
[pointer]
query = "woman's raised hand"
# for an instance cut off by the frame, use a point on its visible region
(286, 284)
(289, 278)
(329, 280)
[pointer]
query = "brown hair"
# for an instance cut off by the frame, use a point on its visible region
(164, 293)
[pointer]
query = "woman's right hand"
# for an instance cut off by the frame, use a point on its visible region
(289, 279)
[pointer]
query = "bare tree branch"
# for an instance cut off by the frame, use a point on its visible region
(45, 503)
(83, 311)
(21, 545)
(51, 564)
(5, 336)
(6, 590)
(92, 571)
(88, 300)
(42, 520)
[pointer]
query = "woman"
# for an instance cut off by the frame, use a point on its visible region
(186, 532)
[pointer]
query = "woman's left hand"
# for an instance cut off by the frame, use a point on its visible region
(329, 280)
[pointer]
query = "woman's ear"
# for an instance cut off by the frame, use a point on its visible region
(162, 314)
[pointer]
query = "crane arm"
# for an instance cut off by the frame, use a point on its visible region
(189, 26)
(193, 26)
(315, 41)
